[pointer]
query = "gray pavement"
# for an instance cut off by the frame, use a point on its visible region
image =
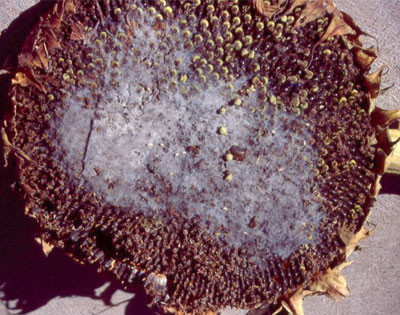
(374, 277)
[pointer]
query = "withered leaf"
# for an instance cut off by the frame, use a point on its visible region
(43, 55)
(51, 40)
(295, 303)
(57, 15)
(78, 31)
(337, 27)
(384, 117)
(27, 79)
(46, 247)
(332, 283)
(380, 158)
(365, 56)
(295, 4)
(351, 240)
(266, 10)
(350, 21)
(372, 82)
(8, 147)
(312, 11)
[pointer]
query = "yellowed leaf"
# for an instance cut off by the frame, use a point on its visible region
(294, 305)
(27, 79)
(8, 147)
(46, 247)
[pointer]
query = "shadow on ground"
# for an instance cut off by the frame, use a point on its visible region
(390, 184)
(29, 280)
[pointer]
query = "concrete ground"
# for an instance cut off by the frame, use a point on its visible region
(33, 284)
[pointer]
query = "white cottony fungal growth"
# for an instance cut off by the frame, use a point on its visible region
(153, 142)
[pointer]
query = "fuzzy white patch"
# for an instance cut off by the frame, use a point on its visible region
(134, 147)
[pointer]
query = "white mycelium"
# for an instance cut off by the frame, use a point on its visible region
(157, 139)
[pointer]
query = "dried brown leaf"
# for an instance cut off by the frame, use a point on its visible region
(377, 186)
(46, 247)
(380, 161)
(30, 60)
(69, 6)
(384, 118)
(263, 9)
(382, 133)
(350, 21)
(51, 40)
(365, 56)
(372, 82)
(294, 305)
(99, 11)
(28, 189)
(295, 4)
(57, 15)
(78, 31)
(351, 240)
(27, 79)
(42, 55)
(8, 147)
(332, 283)
(337, 27)
(312, 11)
